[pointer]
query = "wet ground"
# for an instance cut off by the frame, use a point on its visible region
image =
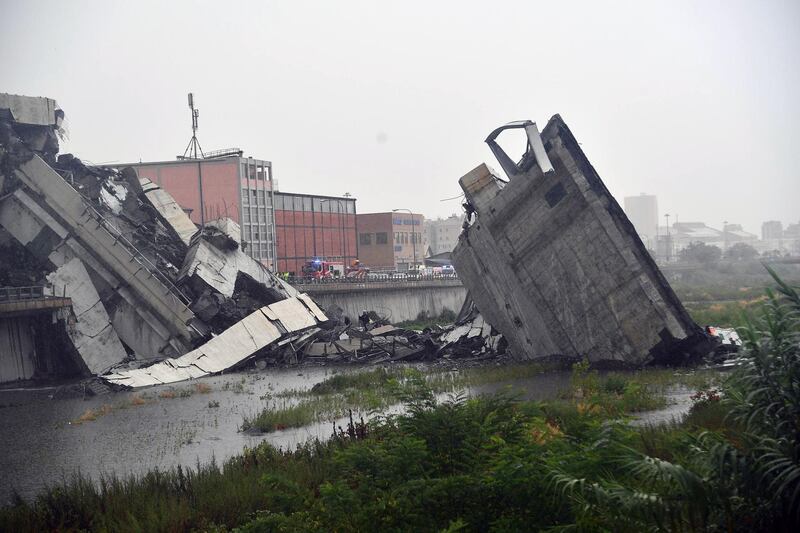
(44, 440)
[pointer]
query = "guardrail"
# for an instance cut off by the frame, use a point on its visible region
(19, 294)
(377, 278)
(134, 253)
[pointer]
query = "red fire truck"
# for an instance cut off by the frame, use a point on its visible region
(319, 269)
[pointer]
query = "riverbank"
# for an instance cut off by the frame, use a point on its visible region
(137, 440)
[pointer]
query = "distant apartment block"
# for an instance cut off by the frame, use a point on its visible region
(642, 211)
(442, 234)
(772, 230)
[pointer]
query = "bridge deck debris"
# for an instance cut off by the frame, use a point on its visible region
(553, 263)
(146, 285)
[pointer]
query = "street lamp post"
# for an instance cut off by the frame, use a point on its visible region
(342, 242)
(725, 237)
(413, 237)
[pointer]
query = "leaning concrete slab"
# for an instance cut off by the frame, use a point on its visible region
(275, 324)
(30, 224)
(110, 247)
(553, 263)
(219, 269)
(172, 213)
(93, 334)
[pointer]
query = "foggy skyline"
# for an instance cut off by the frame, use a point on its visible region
(695, 103)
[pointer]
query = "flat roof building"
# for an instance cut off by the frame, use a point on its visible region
(233, 186)
(390, 241)
(443, 233)
(311, 226)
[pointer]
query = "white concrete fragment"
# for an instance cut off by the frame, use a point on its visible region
(169, 209)
(280, 322)
(93, 335)
(228, 227)
(219, 269)
(112, 195)
(34, 110)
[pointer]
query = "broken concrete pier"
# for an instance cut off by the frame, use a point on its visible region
(553, 263)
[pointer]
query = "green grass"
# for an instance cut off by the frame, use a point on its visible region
(423, 320)
(374, 390)
(727, 314)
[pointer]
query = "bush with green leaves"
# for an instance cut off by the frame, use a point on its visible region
(740, 472)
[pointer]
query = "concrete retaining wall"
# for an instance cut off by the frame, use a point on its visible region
(397, 301)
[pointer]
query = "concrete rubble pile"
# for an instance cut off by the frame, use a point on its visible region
(552, 262)
(380, 342)
(145, 284)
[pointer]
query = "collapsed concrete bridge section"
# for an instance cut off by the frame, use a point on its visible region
(143, 283)
(552, 262)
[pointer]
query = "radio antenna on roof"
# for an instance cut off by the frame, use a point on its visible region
(194, 145)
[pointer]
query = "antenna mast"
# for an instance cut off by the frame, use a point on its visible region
(194, 145)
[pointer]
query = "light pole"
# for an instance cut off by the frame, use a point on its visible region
(413, 237)
(342, 242)
(725, 237)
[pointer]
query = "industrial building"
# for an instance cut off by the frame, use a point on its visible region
(223, 184)
(390, 241)
(281, 230)
(309, 226)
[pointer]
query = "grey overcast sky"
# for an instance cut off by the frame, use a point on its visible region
(696, 102)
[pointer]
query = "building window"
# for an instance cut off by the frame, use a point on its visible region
(365, 239)
(306, 203)
(381, 238)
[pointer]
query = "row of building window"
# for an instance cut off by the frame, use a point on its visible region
(257, 232)
(251, 214)
(308, 203)
(257, 197)
(407, 238)
(365, 239)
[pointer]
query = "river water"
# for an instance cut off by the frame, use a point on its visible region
(43, 443)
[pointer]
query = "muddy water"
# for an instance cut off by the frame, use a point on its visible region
(43, 443)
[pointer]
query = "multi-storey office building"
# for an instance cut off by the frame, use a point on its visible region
(240, 188)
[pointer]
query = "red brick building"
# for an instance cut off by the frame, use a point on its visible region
(309, 226)
(389, 241)
(231, 185)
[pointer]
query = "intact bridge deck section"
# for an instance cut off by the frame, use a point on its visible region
(398, 300)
